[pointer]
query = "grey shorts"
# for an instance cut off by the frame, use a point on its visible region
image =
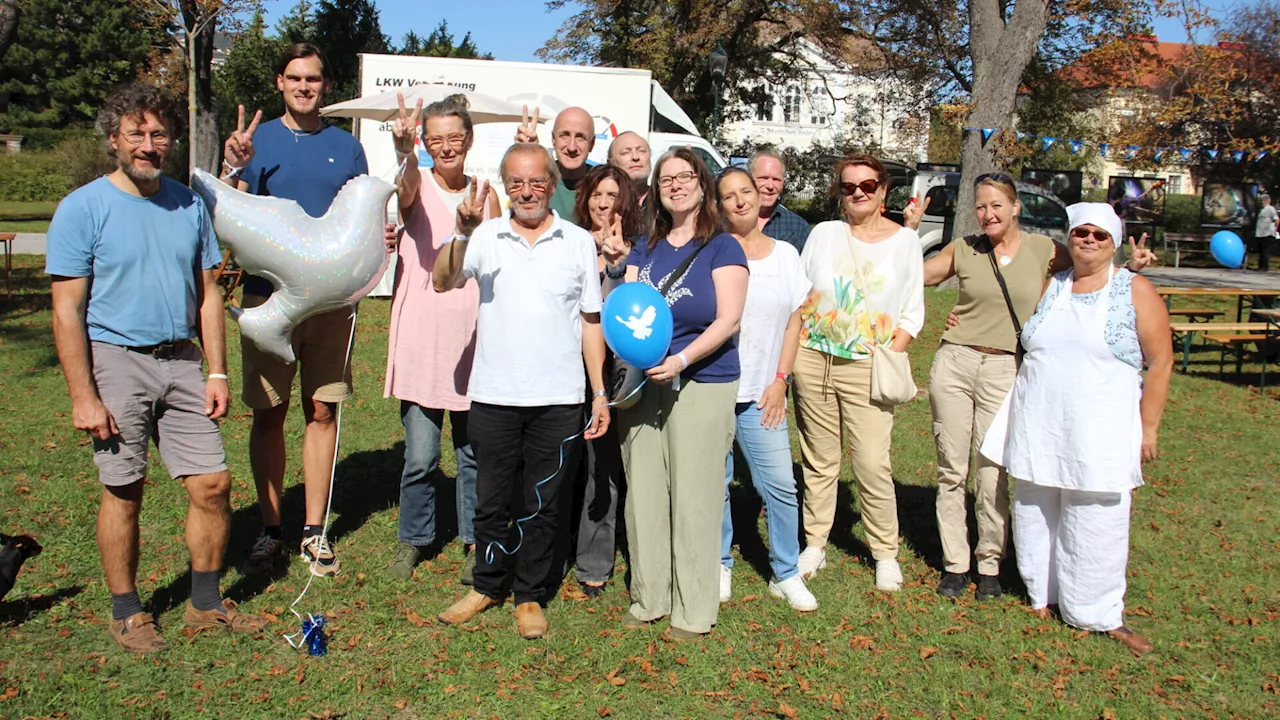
(153, 399)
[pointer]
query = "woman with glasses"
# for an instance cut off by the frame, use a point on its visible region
(432, 338)
(767, 345)
(1081, 423)
(605, 204)
(867, 278)
(678, 433)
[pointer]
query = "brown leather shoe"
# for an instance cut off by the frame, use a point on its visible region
(137, 634)
(530, 622)
(228, 617)
(1137, 644)
(468, 607)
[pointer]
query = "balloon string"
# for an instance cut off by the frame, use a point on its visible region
(488, 552)
(333, 471)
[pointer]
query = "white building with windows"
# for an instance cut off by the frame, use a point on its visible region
(831, 102)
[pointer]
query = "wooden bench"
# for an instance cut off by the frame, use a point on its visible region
(228, 276)
(1189, 329)
(1235, 342)
(7, 239)
(1190, 240)
(1196, 314)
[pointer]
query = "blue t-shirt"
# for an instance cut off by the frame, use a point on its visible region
(692, 298)
(308, 168)
(143, 258)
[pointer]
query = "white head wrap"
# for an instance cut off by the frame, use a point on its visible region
(1099, 215)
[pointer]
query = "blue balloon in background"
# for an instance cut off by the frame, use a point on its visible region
(1227, 248)
(637, 324)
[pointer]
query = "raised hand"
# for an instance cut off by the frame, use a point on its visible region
(528, 130)
(914, 211)
(238, 150)
(614, 247)
(405, 127)
(1140, 256)
(471, 210)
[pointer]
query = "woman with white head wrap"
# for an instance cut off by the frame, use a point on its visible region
(1078, 388)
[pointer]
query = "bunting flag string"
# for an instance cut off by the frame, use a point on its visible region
(1159, 154)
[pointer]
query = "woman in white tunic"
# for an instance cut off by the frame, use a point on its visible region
(1079, 389)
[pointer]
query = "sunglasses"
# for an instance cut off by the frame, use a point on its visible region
(1081, 233)
(866, 186)
(995, 176)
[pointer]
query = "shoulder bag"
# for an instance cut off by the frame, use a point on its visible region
(1008, 301)
(891, 381)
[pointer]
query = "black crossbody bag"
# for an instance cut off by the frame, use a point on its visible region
(1008, 301)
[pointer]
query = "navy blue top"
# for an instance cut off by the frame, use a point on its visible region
(308, 168)
(692, 298)
(788, 227)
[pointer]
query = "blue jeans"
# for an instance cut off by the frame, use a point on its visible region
(422, 429)
(768, 454)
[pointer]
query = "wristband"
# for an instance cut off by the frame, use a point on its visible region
(622, 271)
(402, 156)
(231, 170)
(683, 359)
(218, 376)
(600, 393)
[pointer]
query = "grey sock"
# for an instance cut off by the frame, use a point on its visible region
(205, 594)
(125, 605)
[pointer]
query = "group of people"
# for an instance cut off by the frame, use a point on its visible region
(496, 319)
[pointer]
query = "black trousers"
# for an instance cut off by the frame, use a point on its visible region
(516, 448)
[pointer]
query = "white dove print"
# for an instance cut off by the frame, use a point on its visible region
(641, 327)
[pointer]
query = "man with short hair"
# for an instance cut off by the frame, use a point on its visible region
(132, 257)
(299, 157)
(769, 171)
(630, 152)
(573, 135)
(1265, 230)
(539, 322)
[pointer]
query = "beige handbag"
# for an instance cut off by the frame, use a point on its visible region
(891, 381)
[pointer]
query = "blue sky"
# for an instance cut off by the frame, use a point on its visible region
(514, 30)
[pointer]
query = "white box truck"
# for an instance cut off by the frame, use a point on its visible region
(619, 99)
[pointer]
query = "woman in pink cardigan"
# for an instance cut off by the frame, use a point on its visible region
(432, 339)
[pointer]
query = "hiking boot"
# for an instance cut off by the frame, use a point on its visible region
(953, 585)
(227, 617)
(468, 570)
(988, 588)
(726, 584)
(793, 590)
(1137, 644)
(263, 555)
(888, 576)
(530, 622)
(631, 622)
(407, 558)
(317, 552)
(468, 607)
(812, 559)
(137, 634)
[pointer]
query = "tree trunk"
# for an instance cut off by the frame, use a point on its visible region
(202, 118)
(1000, 52)
(8, 25)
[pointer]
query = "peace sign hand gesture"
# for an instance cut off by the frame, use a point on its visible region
(238, 150)
(614, 248)
(405, 126)
(471, 210)
(914, 211)
(1140, 256)
(528, 129)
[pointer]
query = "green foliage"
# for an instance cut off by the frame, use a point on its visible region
(42, 138)
(84, 159)
(440, 43)
(69, 55)
(344, 29)
(33, 176)
(299, 25)
(248, 76)
(1182, 213)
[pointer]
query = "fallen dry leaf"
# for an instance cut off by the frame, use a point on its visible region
(928, 652)
(614, 680)
(785, 709)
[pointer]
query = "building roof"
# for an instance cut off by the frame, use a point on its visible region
(1137, 61)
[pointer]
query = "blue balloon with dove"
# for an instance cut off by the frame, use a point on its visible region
(637, 324)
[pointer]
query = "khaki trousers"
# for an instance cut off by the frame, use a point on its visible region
(674, 445)
(966, 388)
(831, 392)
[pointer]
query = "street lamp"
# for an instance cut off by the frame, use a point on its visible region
(717, 63)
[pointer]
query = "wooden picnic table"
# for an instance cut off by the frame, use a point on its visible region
(1266, 296)
(7, 239)
(1189, 329)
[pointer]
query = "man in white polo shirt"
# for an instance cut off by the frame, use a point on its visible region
(539, 321)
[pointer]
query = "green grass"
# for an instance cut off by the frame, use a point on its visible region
(26, 216)
(1203, 584)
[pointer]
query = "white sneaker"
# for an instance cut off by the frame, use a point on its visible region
(726, 584)
(812, 559)
(888, 576)
(794, 592)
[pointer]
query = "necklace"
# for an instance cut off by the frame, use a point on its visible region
(1005, 260)
(302, 133)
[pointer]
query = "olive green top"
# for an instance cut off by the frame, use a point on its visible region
(563, 199)
(982, 310)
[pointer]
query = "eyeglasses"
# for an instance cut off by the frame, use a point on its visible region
(136, 138)
(537, 185)
(1081, 233)
(995, 176)
(436, 142)
(685, 178)
(867, 187)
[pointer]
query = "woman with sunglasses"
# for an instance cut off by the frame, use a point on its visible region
(1081, 423)
(606, 205)
(767, 346)
(867, 279)
(1001, 273)
(432, 338)
(677, 434)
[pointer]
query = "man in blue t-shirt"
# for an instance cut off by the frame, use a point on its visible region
(299, 157)
(132, 257)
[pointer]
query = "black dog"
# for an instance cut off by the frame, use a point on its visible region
(15, 551)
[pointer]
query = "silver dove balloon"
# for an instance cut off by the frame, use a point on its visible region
(315, 264)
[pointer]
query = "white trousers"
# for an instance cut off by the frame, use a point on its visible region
(1073, 549)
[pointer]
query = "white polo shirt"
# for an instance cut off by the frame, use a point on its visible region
(529, 329)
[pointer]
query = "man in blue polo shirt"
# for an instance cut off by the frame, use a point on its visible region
(132, 257)
(299, 157)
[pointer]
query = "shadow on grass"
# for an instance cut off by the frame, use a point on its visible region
(16, 612)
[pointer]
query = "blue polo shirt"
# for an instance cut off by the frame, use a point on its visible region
(143, 258)
(308, 168)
